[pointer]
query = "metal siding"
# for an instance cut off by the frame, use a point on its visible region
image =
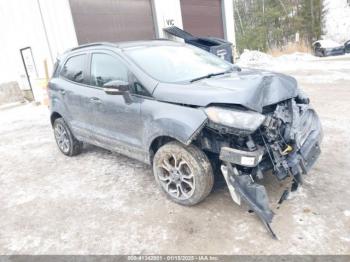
(112, 20)
(202, 17)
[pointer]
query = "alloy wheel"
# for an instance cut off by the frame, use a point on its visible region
(62, 138)
(176, 177)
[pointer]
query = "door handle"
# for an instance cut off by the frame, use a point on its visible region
(95, 100)
(62, 91)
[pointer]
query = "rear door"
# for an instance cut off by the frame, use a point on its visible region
(75, 94)
(117, 123)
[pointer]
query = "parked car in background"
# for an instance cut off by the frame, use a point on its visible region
(347, 46)
(327, 48)
(189, 114)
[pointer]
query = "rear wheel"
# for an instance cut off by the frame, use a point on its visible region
(183, 172)
(66, 142)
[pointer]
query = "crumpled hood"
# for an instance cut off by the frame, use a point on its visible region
(250, 88)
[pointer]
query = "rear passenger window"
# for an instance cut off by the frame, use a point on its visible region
(105, 68)
(74, 69)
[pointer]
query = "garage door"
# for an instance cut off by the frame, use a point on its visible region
(202, 17)
(112, 20)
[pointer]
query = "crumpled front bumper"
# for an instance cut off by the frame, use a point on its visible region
(243, 186)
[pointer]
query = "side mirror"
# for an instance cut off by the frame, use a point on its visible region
(118, 87)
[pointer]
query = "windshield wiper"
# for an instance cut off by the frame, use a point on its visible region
(212, 74)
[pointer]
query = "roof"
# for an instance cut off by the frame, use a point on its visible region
(327, 43)
(124, 45)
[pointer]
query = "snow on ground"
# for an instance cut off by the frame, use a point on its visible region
(324, 70)
(337, 20)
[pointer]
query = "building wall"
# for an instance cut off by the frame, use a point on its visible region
(165, 14)
(47, 27)
(229, 21)
(21, 25)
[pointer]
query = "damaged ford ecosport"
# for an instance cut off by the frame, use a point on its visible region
(187, 113)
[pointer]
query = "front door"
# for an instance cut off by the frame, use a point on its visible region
(117, 123)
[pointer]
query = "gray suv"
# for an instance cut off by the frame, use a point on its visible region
(189, 114)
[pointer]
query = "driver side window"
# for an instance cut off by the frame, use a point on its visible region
(105, 68)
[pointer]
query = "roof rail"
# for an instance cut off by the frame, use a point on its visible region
(92, 44)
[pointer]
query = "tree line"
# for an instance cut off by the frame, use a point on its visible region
(269, 24)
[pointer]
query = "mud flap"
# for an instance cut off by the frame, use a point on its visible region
(254, 195)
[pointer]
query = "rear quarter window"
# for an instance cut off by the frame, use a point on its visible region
(73, 69)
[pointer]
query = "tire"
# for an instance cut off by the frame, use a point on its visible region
(183, 172)
(65, 140)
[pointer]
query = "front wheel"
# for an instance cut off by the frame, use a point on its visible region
(183, 172)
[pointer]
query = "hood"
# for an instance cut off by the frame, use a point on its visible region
(250, 88)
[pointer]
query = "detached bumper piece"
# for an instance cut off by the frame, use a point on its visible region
(243, 187)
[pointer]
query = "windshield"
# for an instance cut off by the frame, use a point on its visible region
(177, 63)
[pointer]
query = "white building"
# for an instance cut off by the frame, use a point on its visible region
(42, 29)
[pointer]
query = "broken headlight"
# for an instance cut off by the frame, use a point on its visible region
(242, 120)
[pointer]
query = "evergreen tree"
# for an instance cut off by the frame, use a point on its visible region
(266, 24)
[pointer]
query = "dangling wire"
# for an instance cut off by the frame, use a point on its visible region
(268, 150)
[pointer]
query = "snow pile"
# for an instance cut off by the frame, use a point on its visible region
(297, 56)
(260, 59)
(304, 66)
(337, 20)
(254, 57)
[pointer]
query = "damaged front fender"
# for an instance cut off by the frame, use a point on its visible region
(179, 122)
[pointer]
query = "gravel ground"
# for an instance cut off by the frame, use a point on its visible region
(104, 203)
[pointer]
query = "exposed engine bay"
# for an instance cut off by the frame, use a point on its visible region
(286, 143)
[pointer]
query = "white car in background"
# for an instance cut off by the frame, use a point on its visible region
(328, 48)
